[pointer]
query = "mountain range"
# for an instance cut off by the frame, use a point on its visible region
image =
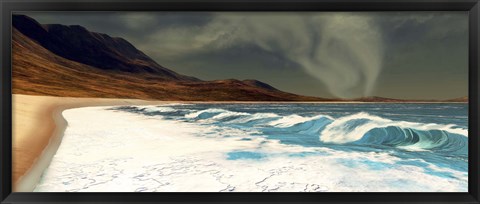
(60, 60)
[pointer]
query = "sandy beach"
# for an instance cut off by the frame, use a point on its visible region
(38, 127)
(37, 131)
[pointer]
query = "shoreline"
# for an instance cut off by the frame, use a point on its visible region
(105, 149)
(37, 131)
(38, 128)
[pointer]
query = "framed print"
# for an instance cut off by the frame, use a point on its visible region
(239, 101)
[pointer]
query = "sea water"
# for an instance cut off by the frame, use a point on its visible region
(263, 147)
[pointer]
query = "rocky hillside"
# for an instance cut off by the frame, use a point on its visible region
(60, 60)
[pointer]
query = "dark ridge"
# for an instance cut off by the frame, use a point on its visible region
(95, 49)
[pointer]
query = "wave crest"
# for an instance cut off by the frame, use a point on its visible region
(363, 128)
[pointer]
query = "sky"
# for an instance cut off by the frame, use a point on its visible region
(404, 55)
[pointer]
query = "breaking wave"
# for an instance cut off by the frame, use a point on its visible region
(363, 128)
(358, 129)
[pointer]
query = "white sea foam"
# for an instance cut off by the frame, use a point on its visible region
(151, 109)
(228, 114)
(256, 116)
(210, 110)
(105, 150)
(291, 120)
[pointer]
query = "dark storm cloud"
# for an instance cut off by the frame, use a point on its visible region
(394, 54)
(132, 25)
(426, 56)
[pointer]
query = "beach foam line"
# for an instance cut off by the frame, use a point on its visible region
(29, 180)
(38, 127)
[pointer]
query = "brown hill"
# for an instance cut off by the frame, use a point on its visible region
(259, 84)
(461, 99)
(42, 65)
(94, 49)
(379, 99)
(374, 99)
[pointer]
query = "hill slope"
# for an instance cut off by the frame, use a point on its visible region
(55, 60)
(95, 49)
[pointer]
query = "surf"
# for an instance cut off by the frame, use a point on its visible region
(276, 144)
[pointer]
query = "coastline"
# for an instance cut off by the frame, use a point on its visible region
(161, 149)
(38, 127)
(37, 132)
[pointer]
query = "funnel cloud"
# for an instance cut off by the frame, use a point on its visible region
(323, 45)
(347, 64)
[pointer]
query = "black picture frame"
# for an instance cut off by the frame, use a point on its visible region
(9, 6)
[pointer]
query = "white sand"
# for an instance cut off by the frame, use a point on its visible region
(37, 132)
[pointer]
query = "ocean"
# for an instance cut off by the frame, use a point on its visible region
(263, 147)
